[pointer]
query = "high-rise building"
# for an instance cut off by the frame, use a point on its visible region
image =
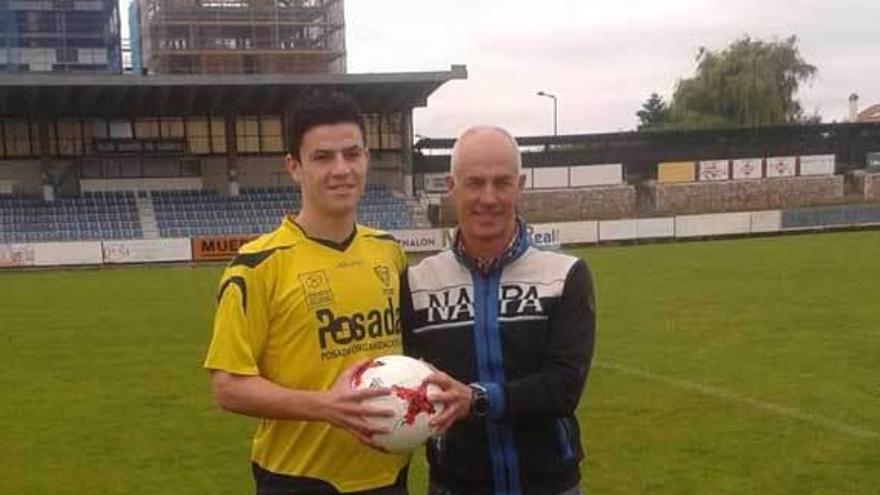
(237, 36)
(59, 36)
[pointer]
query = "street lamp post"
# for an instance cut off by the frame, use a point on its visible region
(555, 121)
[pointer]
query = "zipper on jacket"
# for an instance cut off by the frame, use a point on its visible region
(487, 293)
(502, 485)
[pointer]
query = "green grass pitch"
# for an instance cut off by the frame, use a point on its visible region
(745, 366)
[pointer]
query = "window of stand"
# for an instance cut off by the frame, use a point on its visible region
(218, 135)
(391, 131)
(383, 131)
(373, 125)
(172, 128)
(247, 134)
(17, 139)
(146, 128)
(204, 135)
(271, 135)
(259, 134)
(198, 136)
(67, 138)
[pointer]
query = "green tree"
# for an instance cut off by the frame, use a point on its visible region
(654, 112)
(750, 83)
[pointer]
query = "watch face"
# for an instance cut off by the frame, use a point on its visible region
(480, 404)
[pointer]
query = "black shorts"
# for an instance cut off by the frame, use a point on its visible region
(269, 483)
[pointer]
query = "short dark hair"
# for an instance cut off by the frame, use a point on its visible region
(322, 109)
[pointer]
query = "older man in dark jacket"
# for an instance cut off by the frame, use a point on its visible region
(511, 327)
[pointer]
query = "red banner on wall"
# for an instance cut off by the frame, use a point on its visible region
(218, 247)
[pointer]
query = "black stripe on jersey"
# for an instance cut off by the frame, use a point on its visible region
(242, 285)
(383, 237)
(251, 260)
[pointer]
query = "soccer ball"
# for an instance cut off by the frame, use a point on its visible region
(405, 376)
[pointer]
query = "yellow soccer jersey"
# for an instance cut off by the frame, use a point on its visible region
(298, 312)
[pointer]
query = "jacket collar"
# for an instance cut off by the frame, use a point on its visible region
(520, 243)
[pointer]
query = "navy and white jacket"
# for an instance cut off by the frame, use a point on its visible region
(525, 331)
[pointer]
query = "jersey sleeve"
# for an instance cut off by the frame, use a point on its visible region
(241, 322)
(400, 258)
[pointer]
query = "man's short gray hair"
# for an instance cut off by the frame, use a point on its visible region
(479, 130)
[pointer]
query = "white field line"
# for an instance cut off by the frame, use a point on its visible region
(718, 393)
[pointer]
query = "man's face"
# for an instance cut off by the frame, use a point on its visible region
(331, 168)
(485, 185)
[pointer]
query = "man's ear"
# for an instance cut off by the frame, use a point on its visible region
(293, 167)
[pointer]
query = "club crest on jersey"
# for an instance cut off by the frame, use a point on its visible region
(317, 288)
(383, 273)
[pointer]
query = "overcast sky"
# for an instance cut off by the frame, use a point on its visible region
(602, 58)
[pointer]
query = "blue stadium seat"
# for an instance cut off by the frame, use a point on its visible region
(93, 215)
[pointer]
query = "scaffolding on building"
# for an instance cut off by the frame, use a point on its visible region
(241, 36)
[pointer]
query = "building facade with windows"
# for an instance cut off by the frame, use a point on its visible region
(67, 36)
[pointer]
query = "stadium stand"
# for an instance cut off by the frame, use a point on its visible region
(92, 216)
(114, 215)
(258, 210)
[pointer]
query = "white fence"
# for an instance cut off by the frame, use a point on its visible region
(147, 251)
(551, 177)
(425, 240)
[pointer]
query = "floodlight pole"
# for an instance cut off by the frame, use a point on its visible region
(555, 114)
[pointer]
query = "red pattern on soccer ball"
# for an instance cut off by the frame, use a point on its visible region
(416, 401)
(359, 374)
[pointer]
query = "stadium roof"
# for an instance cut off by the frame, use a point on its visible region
(640, 152)
(73, 95)
(627, 137)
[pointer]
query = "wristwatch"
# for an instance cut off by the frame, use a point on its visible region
(479, 400)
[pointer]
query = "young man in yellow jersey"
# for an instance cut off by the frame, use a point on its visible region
(300, 310)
